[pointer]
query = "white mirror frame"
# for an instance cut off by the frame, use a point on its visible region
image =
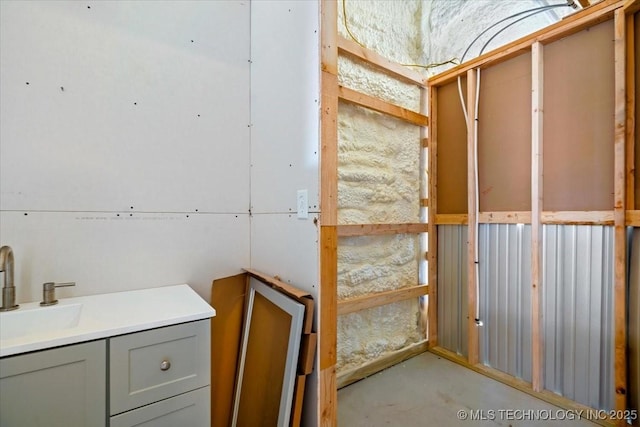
(296, 311)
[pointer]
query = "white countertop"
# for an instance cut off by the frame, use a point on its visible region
(107, 315)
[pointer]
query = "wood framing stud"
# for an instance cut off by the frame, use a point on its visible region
(472, 333)
(328, 293)
(329, 35)
(329, 150)
(630, 90)
(432, 253)
(620, 238)
(328, 397)
(328, 330)
(537, 109)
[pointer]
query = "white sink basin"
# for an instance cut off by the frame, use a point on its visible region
(80, 319)
(39, 320)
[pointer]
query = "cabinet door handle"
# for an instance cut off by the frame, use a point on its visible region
(165, 365)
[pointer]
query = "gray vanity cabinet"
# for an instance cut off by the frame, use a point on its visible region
(157, 378)
(161, 377)
(61, 387)
(184, 410)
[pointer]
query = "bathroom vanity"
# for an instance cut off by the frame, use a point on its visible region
(123, 359)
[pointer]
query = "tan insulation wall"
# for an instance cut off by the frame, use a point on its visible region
(376, 263)
(378, 182)
(389, 328)
(378, 168)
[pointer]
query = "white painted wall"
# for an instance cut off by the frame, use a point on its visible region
(124, 143)
(284, 148)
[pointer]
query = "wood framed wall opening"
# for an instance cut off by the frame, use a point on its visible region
(548, 160)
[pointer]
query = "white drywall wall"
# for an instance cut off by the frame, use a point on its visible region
(285, 94)
(124, 145)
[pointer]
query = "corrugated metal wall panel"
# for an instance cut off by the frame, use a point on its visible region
(505, 298)
(634, 319)
(578, 312)
(452, 288)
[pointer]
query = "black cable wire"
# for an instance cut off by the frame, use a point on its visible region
(541, 9)
(509, 25)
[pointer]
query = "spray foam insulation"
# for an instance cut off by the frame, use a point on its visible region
(378, 182)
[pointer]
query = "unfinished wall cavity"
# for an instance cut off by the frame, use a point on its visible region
(378, 168)
(452, 288)
(369, 334)
(376, 263)
(378, 183)
(505, 298)
(578, 313)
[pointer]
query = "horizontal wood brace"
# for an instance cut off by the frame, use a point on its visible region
(364, 302)
(351, 230)
(424, 203)
(548, 217)
(354, 97)
(579, 218)
(425, 142)
(389, 67)
(633, 218)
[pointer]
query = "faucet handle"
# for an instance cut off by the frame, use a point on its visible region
(48, 292)
(51, 285)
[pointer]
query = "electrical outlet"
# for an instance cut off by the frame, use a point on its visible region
(303, 204)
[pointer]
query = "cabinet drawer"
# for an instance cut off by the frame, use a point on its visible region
(189, 409)
(157, 364)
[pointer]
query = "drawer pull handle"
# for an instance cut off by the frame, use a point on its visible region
(165, 365)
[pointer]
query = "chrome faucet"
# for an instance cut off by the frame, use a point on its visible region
(8, 289)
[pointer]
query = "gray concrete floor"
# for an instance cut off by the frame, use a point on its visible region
(428, 390)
